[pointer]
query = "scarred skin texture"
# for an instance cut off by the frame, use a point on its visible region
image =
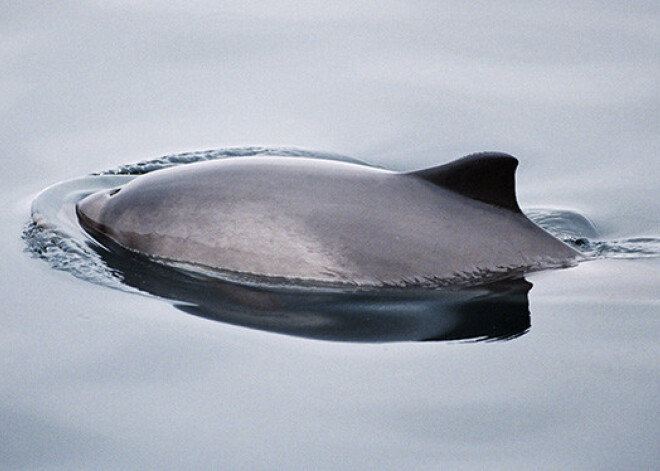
(320, 221)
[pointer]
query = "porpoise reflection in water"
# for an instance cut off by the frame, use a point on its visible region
(495, 311)
(323, 222)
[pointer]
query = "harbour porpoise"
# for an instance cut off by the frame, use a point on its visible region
(323, 222)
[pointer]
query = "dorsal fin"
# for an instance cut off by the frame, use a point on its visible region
(485, 176)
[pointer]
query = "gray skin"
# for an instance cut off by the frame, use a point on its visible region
(327, 222)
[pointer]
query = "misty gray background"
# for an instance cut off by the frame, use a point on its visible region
(94, 378)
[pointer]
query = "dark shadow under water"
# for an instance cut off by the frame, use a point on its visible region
(496, 311)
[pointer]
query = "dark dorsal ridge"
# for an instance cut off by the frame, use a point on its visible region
(485, 176)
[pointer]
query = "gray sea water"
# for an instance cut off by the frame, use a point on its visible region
(97, 375)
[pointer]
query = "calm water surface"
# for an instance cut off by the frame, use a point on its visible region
(94, 377)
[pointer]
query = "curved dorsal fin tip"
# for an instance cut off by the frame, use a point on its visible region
(485, 176)
(488, 157)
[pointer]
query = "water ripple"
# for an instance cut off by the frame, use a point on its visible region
(225, 153)
(580, 233)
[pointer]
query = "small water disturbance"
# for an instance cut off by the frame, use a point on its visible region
(579, 232)
(53, 233)
(173, 160)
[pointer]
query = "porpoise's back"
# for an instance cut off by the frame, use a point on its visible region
(322, 221)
